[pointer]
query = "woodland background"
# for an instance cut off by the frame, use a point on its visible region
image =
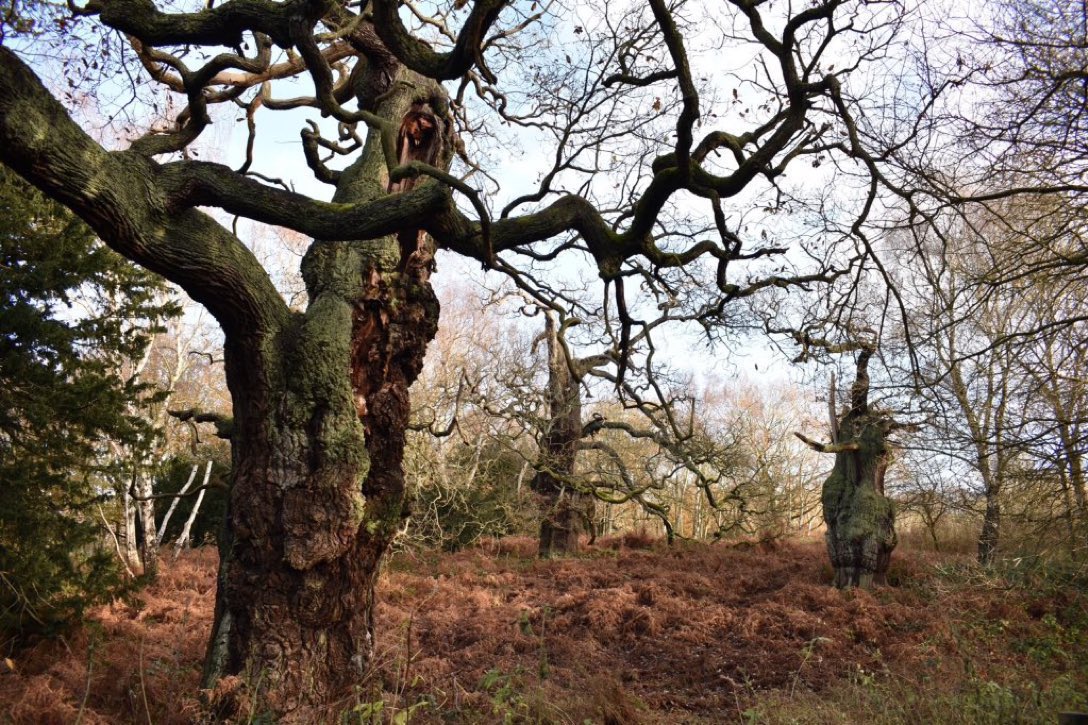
(698, 589)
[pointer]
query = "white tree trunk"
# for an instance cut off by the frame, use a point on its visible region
(149, 542)
(174, 503)
(128, 535)
(183, 540)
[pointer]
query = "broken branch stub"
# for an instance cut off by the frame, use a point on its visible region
(860, 518)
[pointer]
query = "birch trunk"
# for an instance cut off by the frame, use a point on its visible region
(183, 540)
(178, 497)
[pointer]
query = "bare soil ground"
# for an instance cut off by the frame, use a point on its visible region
(630, 632)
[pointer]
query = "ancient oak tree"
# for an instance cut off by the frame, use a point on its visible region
(320, 396)
(860, 518)
(566, 507)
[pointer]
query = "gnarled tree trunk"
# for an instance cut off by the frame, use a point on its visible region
(860, 519)
(318, 441)
(564, 509)
(320, 398)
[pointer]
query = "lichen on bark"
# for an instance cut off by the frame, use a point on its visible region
(860, 519)
(318, 497)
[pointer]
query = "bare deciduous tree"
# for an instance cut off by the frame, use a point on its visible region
(320, 396)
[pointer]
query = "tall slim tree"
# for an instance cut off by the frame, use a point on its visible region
(1059, 415)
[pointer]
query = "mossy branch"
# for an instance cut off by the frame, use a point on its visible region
(224, 425)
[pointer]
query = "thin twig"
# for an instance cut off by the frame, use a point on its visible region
(87, 687)
(143, 690)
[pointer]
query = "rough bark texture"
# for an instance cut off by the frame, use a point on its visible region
(320, 398)
(860, 518)
(563, 508)
(319, 443)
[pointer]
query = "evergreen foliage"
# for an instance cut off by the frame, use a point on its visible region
(70, 311)
(451, 513)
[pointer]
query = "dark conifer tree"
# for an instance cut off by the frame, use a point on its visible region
(70, 308)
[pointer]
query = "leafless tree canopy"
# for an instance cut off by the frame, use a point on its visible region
(708, 166)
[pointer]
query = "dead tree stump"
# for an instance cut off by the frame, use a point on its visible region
(860, 518)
